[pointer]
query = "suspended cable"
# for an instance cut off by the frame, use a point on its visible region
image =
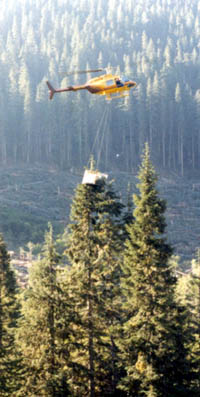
(99, 129)
(104, 129)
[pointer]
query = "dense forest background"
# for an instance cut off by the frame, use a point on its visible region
(156, 44)
(122, 318)
(45, 145)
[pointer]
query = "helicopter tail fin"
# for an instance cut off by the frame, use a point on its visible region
(51, 90)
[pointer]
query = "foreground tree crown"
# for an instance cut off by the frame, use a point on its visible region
(154, 350)
(94, 246)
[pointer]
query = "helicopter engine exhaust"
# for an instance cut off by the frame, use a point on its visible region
(51, 90)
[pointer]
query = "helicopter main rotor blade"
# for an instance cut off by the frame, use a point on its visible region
(85, 71)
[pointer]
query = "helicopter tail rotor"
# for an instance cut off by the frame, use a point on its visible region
(51, 90)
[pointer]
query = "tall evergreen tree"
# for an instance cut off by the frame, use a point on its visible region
(93, 247)
(43, 328)
(9, 311)
(188, 293)
(153, 348)
(194, 304)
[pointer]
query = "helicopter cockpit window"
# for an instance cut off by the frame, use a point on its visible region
(109, 82)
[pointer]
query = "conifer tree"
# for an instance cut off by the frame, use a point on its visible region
(188, 293)
(43, 328)
(194, 305)
(153, 348)
(9, 311)
(94, 246)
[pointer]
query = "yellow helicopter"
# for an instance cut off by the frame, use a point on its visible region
(107, 84)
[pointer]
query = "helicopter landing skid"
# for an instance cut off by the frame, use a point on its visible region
(110, 97)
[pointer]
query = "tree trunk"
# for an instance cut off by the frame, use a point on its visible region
(90, 344)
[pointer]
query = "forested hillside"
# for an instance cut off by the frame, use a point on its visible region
(105, 309)
(156, 43)
(109, 315)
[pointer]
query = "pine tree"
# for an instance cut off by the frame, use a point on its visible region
(9, 311)
(94, 246)
(153, 347)
(44, 328)
(188, 294)
(194, 304)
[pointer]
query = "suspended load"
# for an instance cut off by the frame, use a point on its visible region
(92, 177)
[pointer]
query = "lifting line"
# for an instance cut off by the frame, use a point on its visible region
(101, 129)
(104, 130)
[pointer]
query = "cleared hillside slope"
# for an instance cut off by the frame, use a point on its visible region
(30, 198)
